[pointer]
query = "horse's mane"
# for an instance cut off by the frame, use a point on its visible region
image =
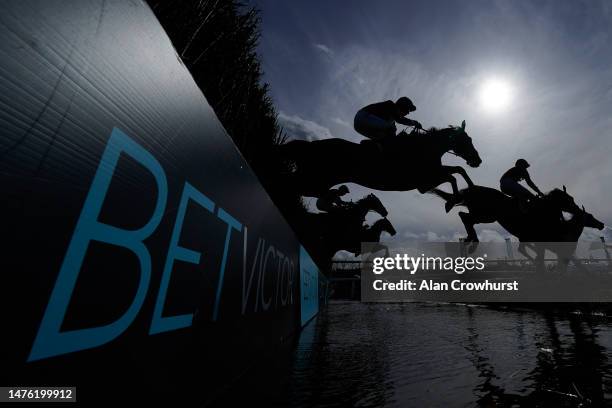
(435, 129)
(553, 192)
(554, 195)
(367, 198)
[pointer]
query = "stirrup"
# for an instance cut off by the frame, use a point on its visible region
(449, 205)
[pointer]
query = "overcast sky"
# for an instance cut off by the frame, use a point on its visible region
(326, 59)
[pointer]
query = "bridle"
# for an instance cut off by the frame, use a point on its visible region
(421, 131)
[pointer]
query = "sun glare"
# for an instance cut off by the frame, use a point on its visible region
(495, 95)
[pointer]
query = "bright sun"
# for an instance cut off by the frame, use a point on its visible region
(495, 95)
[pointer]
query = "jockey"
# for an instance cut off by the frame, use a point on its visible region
(377, 121)
(330, 201)
(509, 182)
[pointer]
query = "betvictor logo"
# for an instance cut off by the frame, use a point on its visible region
(51, 341)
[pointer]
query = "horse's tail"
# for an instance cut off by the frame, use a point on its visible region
(450, 197)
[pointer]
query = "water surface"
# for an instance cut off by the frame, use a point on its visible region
(441, 355)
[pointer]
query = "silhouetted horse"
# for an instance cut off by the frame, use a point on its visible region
(324, 246)
(570, 231)
(563, 239)
(369, 234)
(360, 208)
(405, 162)
(351, 242)
(487, 205)
(540, 228)
(319, 230)
(350, 219)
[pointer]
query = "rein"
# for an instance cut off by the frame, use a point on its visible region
(424, 132)
(451, 137)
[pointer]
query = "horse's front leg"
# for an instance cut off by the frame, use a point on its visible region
(461, 171)
(447, 176)
(539, 259)
(522, 249)
(450, 203)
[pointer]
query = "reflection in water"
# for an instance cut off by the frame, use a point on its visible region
(437, 355)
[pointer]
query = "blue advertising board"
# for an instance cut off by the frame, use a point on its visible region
(142, 249)
(309, 288)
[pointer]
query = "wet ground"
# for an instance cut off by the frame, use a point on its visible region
(440, 355)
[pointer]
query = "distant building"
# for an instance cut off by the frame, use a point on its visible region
(509, 251)
(605, 248)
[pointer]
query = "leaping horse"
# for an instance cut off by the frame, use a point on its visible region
(488, 205)
(563, 240)
(543, 223)
(351, 242)
(327, 233)
(346, 220)
(401, 163)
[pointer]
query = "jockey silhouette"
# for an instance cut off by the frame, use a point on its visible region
(509, 183)
(377, 121)
(331, 202)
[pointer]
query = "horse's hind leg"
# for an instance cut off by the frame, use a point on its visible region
(469, 221)
(522, 249)
(562, 264)
(377, 247)
(539, 259)
(578, 264)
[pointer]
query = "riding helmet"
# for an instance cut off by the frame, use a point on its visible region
(343, 189)
(522, 163)
(406, 104)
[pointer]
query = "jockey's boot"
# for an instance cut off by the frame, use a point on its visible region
(450, 203)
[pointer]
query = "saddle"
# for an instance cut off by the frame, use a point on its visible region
(528, 207)
(376, 146)
(387, 147)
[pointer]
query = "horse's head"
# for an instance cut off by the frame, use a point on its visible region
(462, 146)
(385, 225)
(590, 221)
(374, 204)
(562, 200)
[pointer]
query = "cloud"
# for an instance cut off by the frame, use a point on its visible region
(559, 68)
(410, 235)
(485, 235)
(591, 234)
(431, 236)
(489, 235)
(302, 129)
(324, 48)
(341, 122)
(345, 256)
(607, 232)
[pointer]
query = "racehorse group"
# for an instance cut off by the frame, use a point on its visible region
(414, 161)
